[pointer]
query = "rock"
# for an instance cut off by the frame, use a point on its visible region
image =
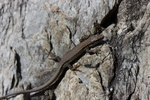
(116, 69)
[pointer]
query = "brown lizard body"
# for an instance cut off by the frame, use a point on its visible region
(64, 62)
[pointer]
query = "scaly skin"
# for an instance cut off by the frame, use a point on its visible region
(66, 59)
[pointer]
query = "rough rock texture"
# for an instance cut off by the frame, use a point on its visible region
(119, 69)
(132, 81)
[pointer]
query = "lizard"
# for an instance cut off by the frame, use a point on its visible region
(69, 57)
(98, 27)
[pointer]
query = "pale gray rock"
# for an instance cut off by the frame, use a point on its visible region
(132, 51)
(118, 68)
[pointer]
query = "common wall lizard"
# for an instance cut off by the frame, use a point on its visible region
(66, 59)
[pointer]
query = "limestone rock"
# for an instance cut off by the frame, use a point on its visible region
(117, 69)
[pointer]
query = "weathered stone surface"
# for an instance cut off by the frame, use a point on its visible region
(117, 70)
(88, 81)
(132, 51)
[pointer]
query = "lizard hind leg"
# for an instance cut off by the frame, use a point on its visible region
(73, 68)
(54, 57)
